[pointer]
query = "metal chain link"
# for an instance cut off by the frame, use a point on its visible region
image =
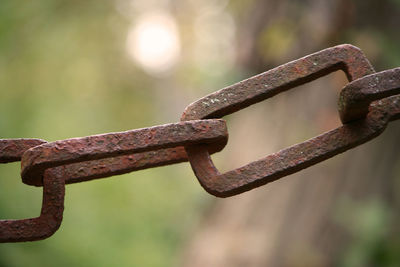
(366, 105)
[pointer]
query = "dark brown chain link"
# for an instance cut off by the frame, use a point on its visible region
(366, 105)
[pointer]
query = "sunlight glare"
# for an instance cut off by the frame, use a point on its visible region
(154, 43)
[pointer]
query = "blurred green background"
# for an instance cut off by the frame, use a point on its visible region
(77, 68)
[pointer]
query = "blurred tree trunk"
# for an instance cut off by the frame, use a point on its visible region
(334, 213)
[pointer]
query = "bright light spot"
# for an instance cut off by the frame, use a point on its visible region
(154, 42)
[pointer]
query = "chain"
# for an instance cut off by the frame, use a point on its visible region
(366, 105)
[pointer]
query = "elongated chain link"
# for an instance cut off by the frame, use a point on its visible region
(366, 105)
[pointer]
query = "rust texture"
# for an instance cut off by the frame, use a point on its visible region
(347, 58)
(79, 152)
(53, 198)
(12, 149)
(101, 168)
(356, 96)
(294, 158)
(366, 105)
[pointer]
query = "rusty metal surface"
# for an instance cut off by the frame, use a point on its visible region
(101, 168)
(366, 105)
(12, 149)
(347, 58)
(53, 199)
(77, 150)
(356, 96)
(294, 158)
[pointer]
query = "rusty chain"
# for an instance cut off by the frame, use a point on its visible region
(366, 105)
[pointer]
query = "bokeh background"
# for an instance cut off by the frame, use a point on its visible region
(77, 68)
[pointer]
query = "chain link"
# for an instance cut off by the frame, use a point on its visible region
(366, 105)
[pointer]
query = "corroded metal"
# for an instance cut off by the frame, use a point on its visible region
(79, 152)
(357, 95)
(347, 58)
(12, 149)
(366, 106)
(53, 198)
(294, 158)
(101, 168)
(86, 158)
